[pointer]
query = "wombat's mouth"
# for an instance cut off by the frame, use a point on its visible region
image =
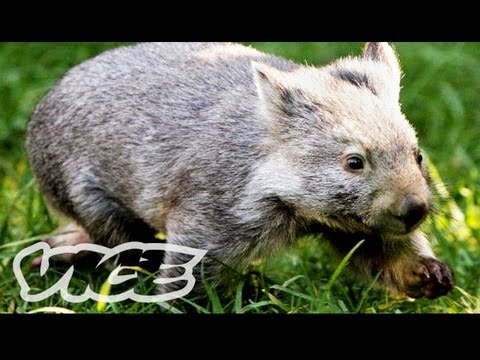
(394, 224)
(386, 225)
(348, 224)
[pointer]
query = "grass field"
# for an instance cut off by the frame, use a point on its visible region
(439, 96)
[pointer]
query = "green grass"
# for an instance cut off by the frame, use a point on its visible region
(440, 91)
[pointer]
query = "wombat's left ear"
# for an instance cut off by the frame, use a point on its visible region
(268, 81)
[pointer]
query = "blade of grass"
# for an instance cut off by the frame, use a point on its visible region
(254, 306)
(51, 309)
(4, 224)
(33, 238)
(342, 266)
(292, 292)
(105, 290)
(276, 301)
(29, 216)
(197, 307)
(211, 293)
(170, 308)
(238, 297)
(292, 280)
(366, 291)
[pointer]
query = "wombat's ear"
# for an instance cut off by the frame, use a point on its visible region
(381, 51)
(384, 53)
(268, 82)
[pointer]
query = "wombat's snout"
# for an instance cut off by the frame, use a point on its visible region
(412, 211)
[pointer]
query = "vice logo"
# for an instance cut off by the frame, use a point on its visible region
(115, 278)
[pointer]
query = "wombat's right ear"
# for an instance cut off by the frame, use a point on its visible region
(384, 53)
(268, 82)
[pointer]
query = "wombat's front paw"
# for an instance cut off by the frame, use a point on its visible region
(430, 278)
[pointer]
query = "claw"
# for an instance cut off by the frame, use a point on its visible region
(431, 278)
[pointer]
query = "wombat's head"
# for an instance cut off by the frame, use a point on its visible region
(342, 152)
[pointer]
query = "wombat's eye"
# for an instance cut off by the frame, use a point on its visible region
(419, 158)
(354, 163)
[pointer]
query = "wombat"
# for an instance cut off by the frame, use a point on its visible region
(227, 149)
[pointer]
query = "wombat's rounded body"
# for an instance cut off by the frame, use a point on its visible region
(237, 152)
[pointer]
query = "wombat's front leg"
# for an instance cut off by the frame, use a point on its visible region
(407, 263)
(416, 271)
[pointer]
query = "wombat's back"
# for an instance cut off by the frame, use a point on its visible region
(136, 123)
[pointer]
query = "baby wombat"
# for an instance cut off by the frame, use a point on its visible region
(227, 149)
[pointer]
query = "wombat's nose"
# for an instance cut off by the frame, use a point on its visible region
(413, 211)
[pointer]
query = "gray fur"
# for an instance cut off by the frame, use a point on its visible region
(231, 150)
